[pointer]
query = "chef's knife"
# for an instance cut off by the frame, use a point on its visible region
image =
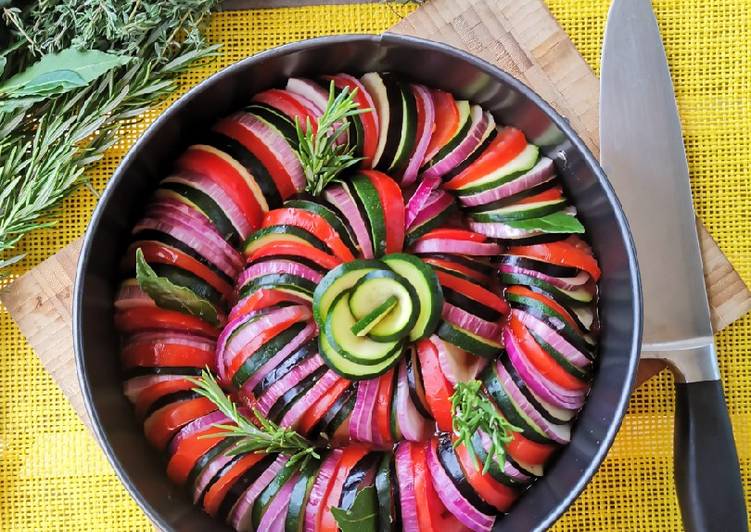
(642, 153)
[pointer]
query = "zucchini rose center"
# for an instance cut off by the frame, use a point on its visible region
(367, 311)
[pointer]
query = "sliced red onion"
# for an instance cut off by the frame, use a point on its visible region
(482, 124)
(452, 499)
(308, 332)
(564, 283)
(310, 90)
(212, 189)
(213, 467)
(540, 172)
(556, 341)
(405, 476)
(130, 295)
(134, 386)
(197, 425)
(501, 230)
(229, 329)
(456, 247)
(273, 517)
(420, 197)
(368, 97)
(277, 144)
(341, 199)
(310, 106)
(474, 324)
(242, 512)
(302, 405)
(361, 423)
(508, 467)
(291, 379)
(413, 426)
(278, 266)
(320, 489)
(558, 433)
(438, 202)
(549, 391)
(424, 99)
(456, 364)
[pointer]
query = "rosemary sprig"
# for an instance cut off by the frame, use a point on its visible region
(472, 411)
(266, 437)
(321, 156)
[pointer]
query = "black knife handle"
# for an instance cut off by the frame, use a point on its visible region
(707, 473)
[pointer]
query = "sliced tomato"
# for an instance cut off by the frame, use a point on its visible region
(458, 268)
(523, 291)
(144, 318)
(150, 394)
(157, 253)
(382, 410)
(392, 201)
(550, 194)
(217, 166)
(437, 389)
(509, 143)
(312, 223)
(189, 451)
(446, 120)
(261, 299)
(541, 359)
(215, 495)
(431, 512)
(162, 424)
(289, 105)
(295, 249)
(572, 252)
(151, 354)
(473, 291)
(453, 234)
(282, 178)
(313, 414)
(501, 497)
(350, 456)
(369, 119)
(528, 451)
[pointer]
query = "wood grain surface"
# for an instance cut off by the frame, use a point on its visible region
(520, 36)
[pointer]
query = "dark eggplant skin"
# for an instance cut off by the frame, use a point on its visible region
(142, 371)
(450, 462)
(216, 477)
(335, 415)
(204, 460)
(306, 350)
(182, 395)
(280, 407)
(241, 484)
(360, 476)
(553, 270)
(470, 305)
(414, 380)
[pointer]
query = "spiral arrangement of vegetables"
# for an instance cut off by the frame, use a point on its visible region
(351, 310)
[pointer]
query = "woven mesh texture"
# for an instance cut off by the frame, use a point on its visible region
(54, 477)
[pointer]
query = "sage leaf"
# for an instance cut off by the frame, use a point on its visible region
(362, 515)
(167, 294)
(558, 222)
(61, 72)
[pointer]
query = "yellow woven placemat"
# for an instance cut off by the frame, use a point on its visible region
(54, 477)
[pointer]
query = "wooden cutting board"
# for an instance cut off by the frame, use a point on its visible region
(521, 37)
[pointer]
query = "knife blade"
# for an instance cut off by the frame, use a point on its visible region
(643, 155)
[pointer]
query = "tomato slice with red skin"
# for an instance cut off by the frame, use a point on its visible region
(499, 496)
(316, 412)
(432, 515)
(148, 395)
(351, 455)
(541, 359)
(158, 253)
(165, 422)
(189, 451)
(453, 234)
(323, 259)
(145, 318)
(437, 389)
(215, 495)
(314, 224)
(282, 178)
(528, 451)
(523, 291)
(382, 410)
(220, 171)
(509, 143)
(446, 120)
(282, 100)
(459, 268)
(572, 252)
(392, 202)
(551, 194)
(473, 291)
(151, 354)
(261, 299)
(368, 119)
